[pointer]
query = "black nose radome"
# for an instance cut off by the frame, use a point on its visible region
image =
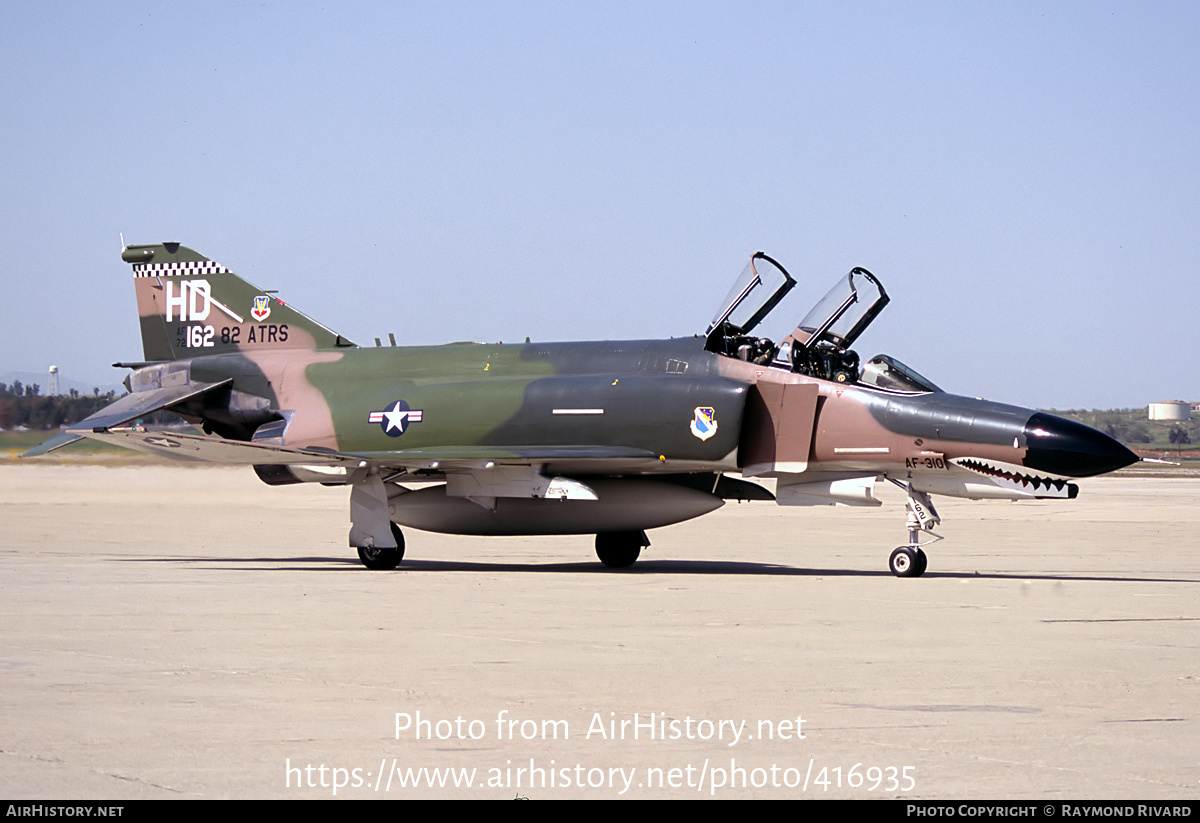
(1061, 446)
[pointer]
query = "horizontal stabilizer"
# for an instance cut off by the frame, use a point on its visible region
(123, 410)
(140, 404)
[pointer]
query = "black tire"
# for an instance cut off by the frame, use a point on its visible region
(906, 562)
(619, 550)
(382, 560)
(922, 563)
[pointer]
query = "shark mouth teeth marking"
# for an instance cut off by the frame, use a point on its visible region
(1038, 482)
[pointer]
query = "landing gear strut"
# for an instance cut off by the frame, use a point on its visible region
(382, 560)
(620, 550)
(909, 560)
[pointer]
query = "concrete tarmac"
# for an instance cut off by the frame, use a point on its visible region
(192, 633)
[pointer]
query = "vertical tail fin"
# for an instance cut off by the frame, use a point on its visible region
(191, 306)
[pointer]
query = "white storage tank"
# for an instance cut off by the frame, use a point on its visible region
(1170, 410)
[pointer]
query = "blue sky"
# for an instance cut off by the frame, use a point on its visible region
(1023, 178)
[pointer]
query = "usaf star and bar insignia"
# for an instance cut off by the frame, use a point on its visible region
(395, 418)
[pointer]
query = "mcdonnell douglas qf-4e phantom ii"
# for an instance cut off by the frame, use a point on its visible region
(604, 438)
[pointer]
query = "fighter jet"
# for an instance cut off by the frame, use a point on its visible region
(605, 438)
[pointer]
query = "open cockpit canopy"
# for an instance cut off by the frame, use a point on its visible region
(820, 344)
(848, 308)
(762, 284)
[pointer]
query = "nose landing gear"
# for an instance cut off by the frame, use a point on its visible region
(909, 560)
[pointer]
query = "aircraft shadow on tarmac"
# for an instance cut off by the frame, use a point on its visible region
(643, 567)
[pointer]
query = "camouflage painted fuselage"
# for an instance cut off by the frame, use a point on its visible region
(547, 437)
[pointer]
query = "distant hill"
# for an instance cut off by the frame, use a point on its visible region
(1135, 429)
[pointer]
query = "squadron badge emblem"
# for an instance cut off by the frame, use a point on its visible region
(704, 424)
(262, 308)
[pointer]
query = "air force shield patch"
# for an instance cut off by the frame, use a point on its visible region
(704, 424)
(261, 309)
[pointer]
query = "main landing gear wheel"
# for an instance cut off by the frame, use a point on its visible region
(380, 559)
(620, 550)
(906, 562)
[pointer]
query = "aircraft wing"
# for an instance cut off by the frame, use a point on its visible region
(204, 448)
(207, 449)
(130, 407)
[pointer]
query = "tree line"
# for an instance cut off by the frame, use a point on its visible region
(25, 405)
